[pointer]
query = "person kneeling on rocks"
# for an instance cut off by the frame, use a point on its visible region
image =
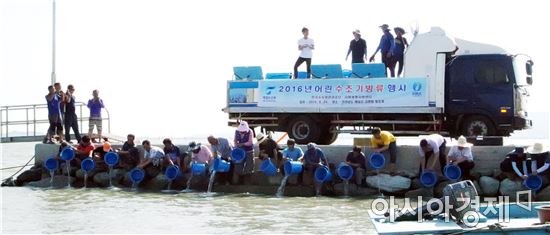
(356, 159)
(98, 156)
(509, 166)
(539, 161)
(152, 159)
(313, 158)
(461, 155)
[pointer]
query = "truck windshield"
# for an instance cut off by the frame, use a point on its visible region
(523, 69)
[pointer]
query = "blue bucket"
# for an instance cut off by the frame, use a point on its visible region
(428, 179)
(136, 175)
(268, 168)
(198, 168)
(111, 158)
(171, 172)
(344, 171)
(51, 164)
(67, 154)
(238, 155)
(87, 164)
(293, 167)
(452, 172)
(221, 165)
(322, 174)
(377, 160)
(533, 182)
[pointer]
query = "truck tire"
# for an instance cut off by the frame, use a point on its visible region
(327, 137)
(303, 129)
(478, 126)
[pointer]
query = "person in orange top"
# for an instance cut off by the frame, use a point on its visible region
(382, 141)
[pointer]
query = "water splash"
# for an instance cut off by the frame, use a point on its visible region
(380, 194)
(68, 173)
(211, 181)
(110, 177)
(281, 189)
(51, 178)
(85, 179)
(318, 189)
(346, 188)
(188, 188)
(134, 186)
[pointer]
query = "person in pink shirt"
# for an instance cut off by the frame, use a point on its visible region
(200, 153)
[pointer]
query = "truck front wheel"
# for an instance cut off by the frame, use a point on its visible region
(478, 126)
(303, 129)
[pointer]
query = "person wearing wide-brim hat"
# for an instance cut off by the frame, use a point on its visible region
(539, 158)
(461, 155)
(357, 48)
(385, 45)
(244, 137)
(269, 149)
(398, 50)
(200, 154)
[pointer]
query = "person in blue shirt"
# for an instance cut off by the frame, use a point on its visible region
(386, 43)
(95, 105)
(172, 154)
(398, 50)
(313, 158)
(54, 114)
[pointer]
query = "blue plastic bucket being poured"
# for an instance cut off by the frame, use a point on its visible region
(238, 155)
(322, 174)
(377, 161)
(136, 175)
(198, 169)
(533, 182)
(221, 165)
(428, 179)
(111, 158)
(171, 172)
(452, 172)
(293, 167)
(87, 165)
(51, 164)
(268, 168)
(67, 154)
(344, 171)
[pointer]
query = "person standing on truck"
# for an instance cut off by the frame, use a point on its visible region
(398, 50)
(461, 155)
(95, 105)
(313, 158)
(385, 45)
(306, 47)
(357, 48)
(431, 146)
(244, 140)
(383, 141)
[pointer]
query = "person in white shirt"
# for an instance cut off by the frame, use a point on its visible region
(461, 155)
(432, 145)
(306, 46)
(152, 159)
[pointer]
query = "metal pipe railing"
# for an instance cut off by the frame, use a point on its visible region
(34, 108)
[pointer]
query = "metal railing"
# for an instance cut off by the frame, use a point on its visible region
(34, 115)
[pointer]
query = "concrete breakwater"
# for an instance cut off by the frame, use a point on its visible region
(487, 159)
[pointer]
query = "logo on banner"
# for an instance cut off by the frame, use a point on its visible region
(269, 90)
(417, 86)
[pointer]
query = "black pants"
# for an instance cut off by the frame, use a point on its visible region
(299, 62)
(358, 60)
(55, 125)
(388, 63)
(442, 157)
(398, 59)
(466, 166)
(71, 122)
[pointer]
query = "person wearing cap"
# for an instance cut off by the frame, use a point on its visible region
(172, 154)
(461, 155)
(430, 147)
(200, 153)
(509, 166)
(357, 48)
(221, 147)
(268, 148)
(383, 141)
(357, 160)
(306, 47)
(398, 49)
(385, 45)
(152, 159)
(244, 140)
(313, 158)
(539, 159)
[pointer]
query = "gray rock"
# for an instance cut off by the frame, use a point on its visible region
(28, 176)
(415, 184)
(425, 193)
(389, 183)
(59, 181)
(275, 180)
(438, 189)
(361, 191)
(544, 194)
(339, 189)
(101, 179)
(118, 175)
(509, 188)
(489, 186)
(73, 170)
(478, 188)
(158, 183)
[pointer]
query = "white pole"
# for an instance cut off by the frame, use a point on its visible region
(53, 44)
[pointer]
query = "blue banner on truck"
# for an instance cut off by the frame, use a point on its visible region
(376, 92)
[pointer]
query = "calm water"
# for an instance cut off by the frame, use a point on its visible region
(37, 210)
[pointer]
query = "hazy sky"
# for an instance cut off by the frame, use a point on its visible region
(161, 66)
